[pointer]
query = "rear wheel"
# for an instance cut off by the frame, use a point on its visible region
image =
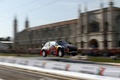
(60, 53)
(44, 54)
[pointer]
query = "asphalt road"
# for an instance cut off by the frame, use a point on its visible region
(10, 73)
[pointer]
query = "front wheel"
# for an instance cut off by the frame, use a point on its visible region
(60, 53)
(44, 54)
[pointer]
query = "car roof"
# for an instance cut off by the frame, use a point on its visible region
(55, 41)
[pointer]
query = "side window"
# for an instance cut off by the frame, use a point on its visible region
(52, 44)
(56, 44)
(47, 44)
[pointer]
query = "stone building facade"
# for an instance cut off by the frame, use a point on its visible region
(93, 29)
(34, 37)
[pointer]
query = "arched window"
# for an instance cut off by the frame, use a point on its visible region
(93, 43)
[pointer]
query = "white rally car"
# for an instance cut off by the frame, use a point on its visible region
(58, 48)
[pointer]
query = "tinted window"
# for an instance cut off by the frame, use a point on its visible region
(62, 43)
(53, 44)
(47, 44)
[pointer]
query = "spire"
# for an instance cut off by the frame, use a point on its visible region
(110, 0)
(101, 4)
(15, 30)
(26, 23)
(111, 3)
(15, 21)
(79, 8)
(111, 22)
(86, 7)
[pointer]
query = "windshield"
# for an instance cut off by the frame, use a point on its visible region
(62, 43)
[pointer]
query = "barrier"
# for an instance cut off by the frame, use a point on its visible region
(22, 61)
(90, 69)
(83, 68)
(11, 60)
(56, 66)
(37, 63)
(62, 73)
(112, 72)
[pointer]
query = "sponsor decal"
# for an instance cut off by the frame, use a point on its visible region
(37, 64)
(67, 67)
(44, 63)
(101, 71)
(88, 70)
(24, 62)
(58, 66)
(2, 60)
(11, 61)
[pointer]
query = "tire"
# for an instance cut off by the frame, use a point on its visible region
(73, 54)
(60, 53)
(44, 54)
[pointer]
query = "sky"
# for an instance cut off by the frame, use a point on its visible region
(40, 12)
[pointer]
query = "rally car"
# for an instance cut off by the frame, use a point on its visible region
(58, 48)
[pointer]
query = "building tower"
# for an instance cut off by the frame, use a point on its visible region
(86, 26)
(111, 5)
(15, 24)
(103, 27)
(78, 27)
(26, 23)
(102, 17)
(111, 23)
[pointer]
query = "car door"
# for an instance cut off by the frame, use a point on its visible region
(52, 47)
(46, 46)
